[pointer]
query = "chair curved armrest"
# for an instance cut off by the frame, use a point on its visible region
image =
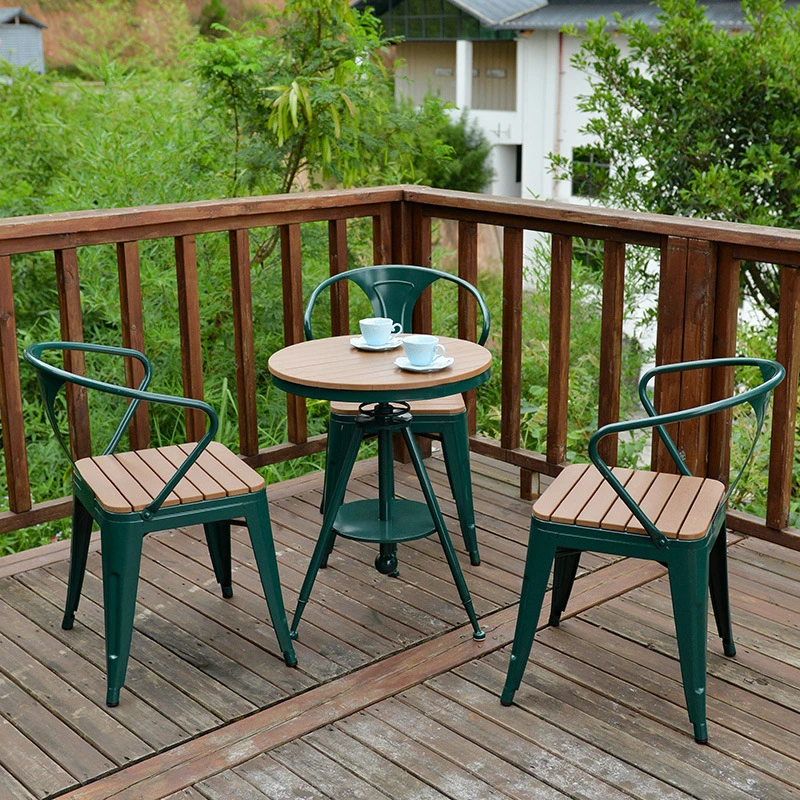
(772, 373)
(52, 378)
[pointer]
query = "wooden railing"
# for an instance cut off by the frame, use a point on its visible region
(697, 314)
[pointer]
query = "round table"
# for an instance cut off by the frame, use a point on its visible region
(331, 369)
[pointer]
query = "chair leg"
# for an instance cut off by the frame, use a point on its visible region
(218, 538)
(79, 552)
(455, 446)
(538, 563)
(260, 530)
(121, 557)
(718, 585)
(565, 568)
(688, 578)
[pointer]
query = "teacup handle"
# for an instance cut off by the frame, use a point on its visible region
(397, 328)
(438, 352)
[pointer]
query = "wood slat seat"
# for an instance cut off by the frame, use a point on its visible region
(127, 482)
(452, 404)
(681, 506)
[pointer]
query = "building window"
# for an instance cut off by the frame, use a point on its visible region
(590, 170)
(435, 19)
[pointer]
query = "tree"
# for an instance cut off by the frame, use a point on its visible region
(697, 121)
(468, 168)
(309, 99)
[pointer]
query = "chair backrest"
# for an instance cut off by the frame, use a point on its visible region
(393, 290)
(52, 379)
(772, 374)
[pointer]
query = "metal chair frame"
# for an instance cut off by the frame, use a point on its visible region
(695, 566)
(122, 534)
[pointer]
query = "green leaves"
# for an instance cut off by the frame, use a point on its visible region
(699, 121)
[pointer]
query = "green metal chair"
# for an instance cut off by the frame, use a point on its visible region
(393, 290)
(131, 494)
(675, 519)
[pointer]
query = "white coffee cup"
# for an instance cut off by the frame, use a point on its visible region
(378, 330)
(422, 350)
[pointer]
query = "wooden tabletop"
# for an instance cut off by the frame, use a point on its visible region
(334, 370)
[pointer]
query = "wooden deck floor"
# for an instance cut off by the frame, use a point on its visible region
(392, 697)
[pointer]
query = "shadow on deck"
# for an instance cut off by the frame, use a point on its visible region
(392, 698)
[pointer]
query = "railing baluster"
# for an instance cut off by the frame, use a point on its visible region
(16, 457)
(784, 414)
(726, 319)
(131, 318)
(467, 307)
(69, 302)
(421, 255)
(608, 401)
(698, 342)
(402, 244)
(382, 235)
(291, 261)
(191, 342)
(242, 299)
(337, 258)
(512, 337)
(558, 373)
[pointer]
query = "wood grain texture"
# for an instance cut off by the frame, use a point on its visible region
(132, 322)
(14, 448)
(191, 341)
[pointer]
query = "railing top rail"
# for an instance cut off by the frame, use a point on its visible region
(73, 228)
(454, 204)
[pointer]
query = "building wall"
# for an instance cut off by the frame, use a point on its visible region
(494, 75)
(21, 45)
(537, 108)
(429, 67)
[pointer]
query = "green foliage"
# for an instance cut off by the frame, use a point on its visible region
(34, 146)
(467, 169)
(308, 101)
(697, 121)
(213, 13)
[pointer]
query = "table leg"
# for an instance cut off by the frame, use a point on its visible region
(386, 561)
(327, 534)
(444, 536)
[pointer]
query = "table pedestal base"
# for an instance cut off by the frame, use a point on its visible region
(386, 520)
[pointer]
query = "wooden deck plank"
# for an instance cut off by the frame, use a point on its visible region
(11, 788)
(424, 763)
(622, 744)
(414, 721)
(560, 759)
(660, 700)
(362, 759)
(281, 783)
(381, 656)
(60, 681)
(324, 773)
(28, 765)
(229, 786)
(86, 640)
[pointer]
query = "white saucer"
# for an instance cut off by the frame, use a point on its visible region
(360, 344)
(435, 366)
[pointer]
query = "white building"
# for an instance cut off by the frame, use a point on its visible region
(21, 39)
(508, 63)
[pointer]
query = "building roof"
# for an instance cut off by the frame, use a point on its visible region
(522, 15)
(558, 13)
(15, 14)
